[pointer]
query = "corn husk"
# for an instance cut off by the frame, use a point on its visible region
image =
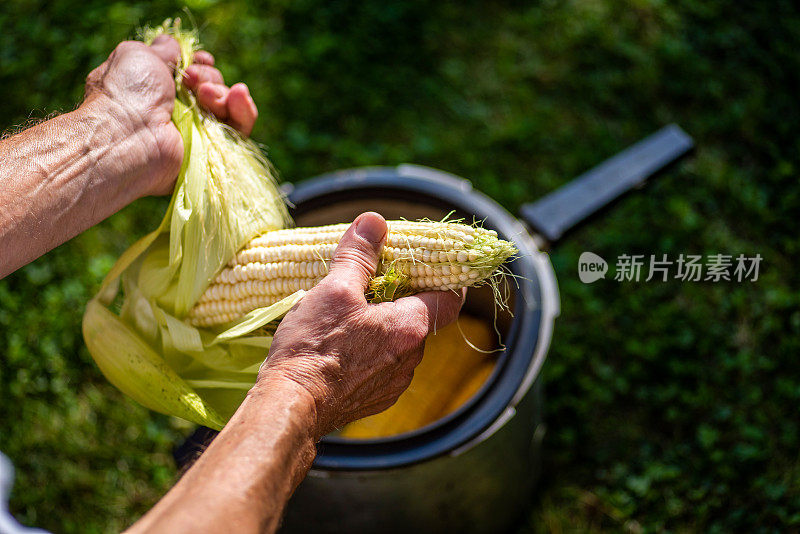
(225, 194)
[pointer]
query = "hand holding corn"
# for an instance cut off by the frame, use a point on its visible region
(352, 357)
(135, 86)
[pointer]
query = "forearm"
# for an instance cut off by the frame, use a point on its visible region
(61, 176)
(242, 482)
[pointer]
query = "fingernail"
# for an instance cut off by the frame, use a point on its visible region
(371, 229)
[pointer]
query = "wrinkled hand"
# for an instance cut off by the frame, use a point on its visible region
(352, 357)
(135, 88)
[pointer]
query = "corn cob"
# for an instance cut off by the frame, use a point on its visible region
(417, 256)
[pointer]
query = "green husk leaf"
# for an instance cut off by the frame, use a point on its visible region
(138, 371)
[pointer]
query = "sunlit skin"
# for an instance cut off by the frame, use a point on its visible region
(335, 357)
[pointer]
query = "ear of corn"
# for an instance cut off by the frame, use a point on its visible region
(417, 256)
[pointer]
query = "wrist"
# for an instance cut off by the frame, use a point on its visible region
(273, 387)
(129, 150)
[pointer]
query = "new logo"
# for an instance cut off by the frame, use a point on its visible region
(591, 267)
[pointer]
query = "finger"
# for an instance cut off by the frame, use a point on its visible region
(242, 111)
(197, 74)
(438, 308)
(213, 97)
(202, 57)
(167, 49)
(356, 258)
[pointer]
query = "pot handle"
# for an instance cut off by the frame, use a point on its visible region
(565, 207)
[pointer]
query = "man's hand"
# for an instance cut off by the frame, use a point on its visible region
(351, 357)
(66, 174)
(135, 87)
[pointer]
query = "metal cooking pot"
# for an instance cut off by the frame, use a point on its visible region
(474, 470)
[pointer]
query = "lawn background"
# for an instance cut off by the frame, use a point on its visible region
(670, 406)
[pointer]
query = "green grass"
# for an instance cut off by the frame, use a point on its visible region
(670, 406)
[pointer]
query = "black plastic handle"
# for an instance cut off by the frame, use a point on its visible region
(562, 209)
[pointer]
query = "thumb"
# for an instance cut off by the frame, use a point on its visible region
(356, 257)
(167, 49)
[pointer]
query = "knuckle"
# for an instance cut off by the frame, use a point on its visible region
(209, 73)
(164, 39)
(93, 77)
(129, 46)
(354, 257)
(420, 313)
(337, 289)
(415, 328)
(393, 391)
(394, 358)
(405, 335)
(403, 354)
(405, 375)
